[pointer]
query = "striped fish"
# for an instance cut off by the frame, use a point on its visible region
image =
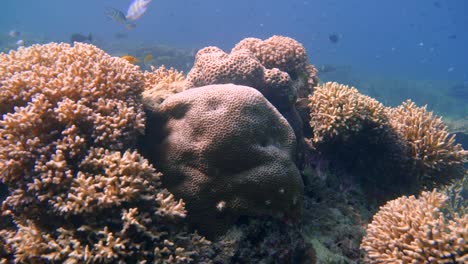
(137, 8)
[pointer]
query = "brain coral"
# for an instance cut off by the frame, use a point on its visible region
(227, 152)
(413, 230)
(279, 52)
(75, 193)
(214, 66)
(278, 67)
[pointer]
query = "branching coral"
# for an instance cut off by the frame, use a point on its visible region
(77, 194)
(413, 230)
(59, 101)
(339, 111)
(405, 146)
(433, 150)
(161, 83)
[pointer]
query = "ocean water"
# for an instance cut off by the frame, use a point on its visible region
(389, 50)
(380, 42)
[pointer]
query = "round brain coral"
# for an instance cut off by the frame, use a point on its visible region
(414, 230)
(227, 152)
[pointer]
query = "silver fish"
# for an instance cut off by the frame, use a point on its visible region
(119, 17)
(137, 8)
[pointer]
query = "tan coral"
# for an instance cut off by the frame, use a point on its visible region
(414, 230)
(76, 193)
(339, 111)
(277, 51)
(287, 55)
(257, 176)
(433, 149)
(161, 83)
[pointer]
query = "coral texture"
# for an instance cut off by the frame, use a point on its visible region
(400, 149)
(160, 83)
(227, 152)
(58, 101)
(413, 230)
(75, 193)
(278, 67)
(287, 55)
(339, 111)
(433, 150)
(214, 66)
(353, 131)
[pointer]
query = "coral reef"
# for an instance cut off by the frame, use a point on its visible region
(285, 54)
(214, 66)
(160, 83)
(189, 136)
(76, 193)
(352, 130)
(278, 67)
(393, 151)
(413, 230)
(339, 112)
(433, 150)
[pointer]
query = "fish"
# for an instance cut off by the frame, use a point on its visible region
(80, 38)
(119, 17)
(130, 58)
(20, 42)
(14, 33)
(148, 59)
(326, 68)
(120, 35)
(334, 38)
(459, 91)
(136, 9)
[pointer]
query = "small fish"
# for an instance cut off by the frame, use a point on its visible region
(137, 8)
(326, 68)
(148, 59)
(334, 38)
(20, 42)
(80, 38)
(453, 36)
(120, 35)
(130, 58)
(459, 91)
(119, 17)
(14, 33)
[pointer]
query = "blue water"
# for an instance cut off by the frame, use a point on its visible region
(408, 40)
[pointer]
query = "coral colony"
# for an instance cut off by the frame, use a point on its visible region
(101, 162)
